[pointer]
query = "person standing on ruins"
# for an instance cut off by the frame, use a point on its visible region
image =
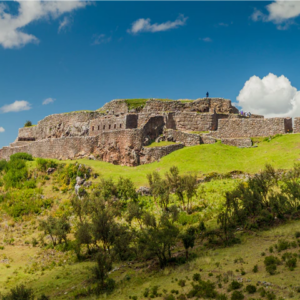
(207, 94)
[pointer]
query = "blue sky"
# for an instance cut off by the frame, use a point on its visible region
(88, 54)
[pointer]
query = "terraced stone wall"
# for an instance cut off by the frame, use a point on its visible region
(252, 127)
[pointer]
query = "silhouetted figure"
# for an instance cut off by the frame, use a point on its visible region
(207, 94)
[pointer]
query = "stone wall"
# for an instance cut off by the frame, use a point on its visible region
(241, 143)
(27, 133)
(296, 125)
(200, 105)
(206, 139)
(248, 127)
(60, 148)
(192, 121)
(61, 125)
(187, 139)
(154, 127)
(116, 106)
(107, 123)
(152, 154)
(120, 147)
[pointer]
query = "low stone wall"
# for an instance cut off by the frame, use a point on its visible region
(60, 148)
(206, 139)
(152, 154)
(296, 125)
(241, 143)
(188, 139)
(252, 127)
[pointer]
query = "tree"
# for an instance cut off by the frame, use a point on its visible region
(57, 228)
(159, 189)
(126, 189)
(191, 186)
(157, 239)
(28, 123)
(101, 270)
(188, 238)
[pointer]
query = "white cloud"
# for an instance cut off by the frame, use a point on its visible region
(2, 129)
(48, 101)
(271, 96)
(64, 24)
(12, 34)
(100, 39)
(144, 25)
(279, 12)
(207, 39)
(16, 106)
(223, 24)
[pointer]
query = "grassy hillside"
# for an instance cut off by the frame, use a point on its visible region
(28, 255)
(282, 152)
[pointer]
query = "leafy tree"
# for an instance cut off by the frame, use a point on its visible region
(160, 189)
(157, 238)
(101, 270)
(57, 228)
(126, 189)
(188, 238)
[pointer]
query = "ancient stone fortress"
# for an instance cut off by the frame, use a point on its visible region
(121, 130)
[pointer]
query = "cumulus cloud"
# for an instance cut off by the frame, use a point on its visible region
(272, 96)
(16, 106)
(144, 25)
(279, 12)
(100, 39)
(48, 101)
(12, 32)
(2, 129)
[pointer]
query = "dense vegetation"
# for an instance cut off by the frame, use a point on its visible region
(104, 226)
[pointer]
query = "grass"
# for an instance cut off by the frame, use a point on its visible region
(199, 132)
(282, 152)
(160, 144)
(135, 103)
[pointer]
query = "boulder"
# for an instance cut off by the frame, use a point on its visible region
(144, 191)
(50, 170)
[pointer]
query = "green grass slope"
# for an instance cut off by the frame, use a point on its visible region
(282, 152)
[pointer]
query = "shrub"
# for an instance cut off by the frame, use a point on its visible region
(237, 295)
(203, 289)
(235, 285)
(21, 155)
(297, 233)
(251, 289)
(291, 263)
(28, 123)
(255, 269)
(222, 297)
(196, 277)
(44, 164)
(20, 292)
(181, 282)
(271, 269)
(282, 245)
(271, 263)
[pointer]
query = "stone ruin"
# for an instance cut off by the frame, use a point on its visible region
(121, 130)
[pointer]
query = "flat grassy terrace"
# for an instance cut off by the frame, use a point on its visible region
(282, 152)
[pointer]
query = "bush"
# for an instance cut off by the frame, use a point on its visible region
(169, 297)
(196, 277)
(20, 292)
(271, 263)
(237, 295)
(291, 263)
(251, 289)
(21, 155)
(28, 123)
(271, 269)
(203, 289)
(235, 285)
(282, 245)
(44, 164)
(297, 233)
(255, 269)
